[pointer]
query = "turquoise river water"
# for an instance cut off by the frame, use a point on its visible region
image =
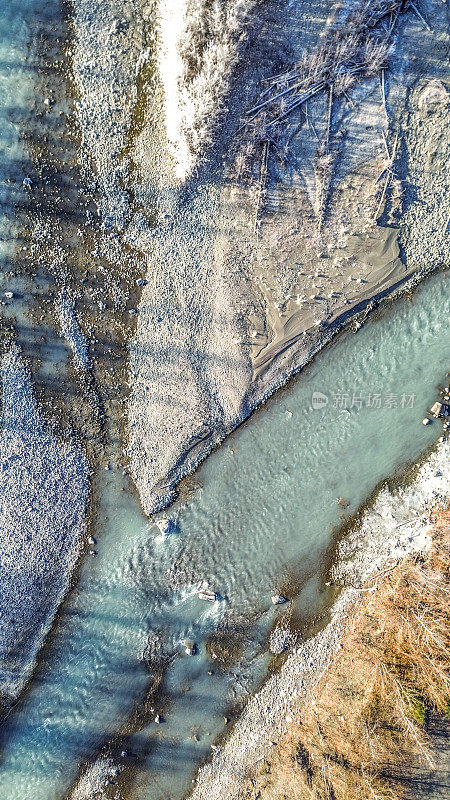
(257, 523)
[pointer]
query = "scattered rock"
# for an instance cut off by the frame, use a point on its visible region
(343, 502)
(190, 647)
(164, 524)
(278, 599)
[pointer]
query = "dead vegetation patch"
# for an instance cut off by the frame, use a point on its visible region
(357, 50)
(367, 719)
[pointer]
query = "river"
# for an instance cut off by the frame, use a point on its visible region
(257, 521)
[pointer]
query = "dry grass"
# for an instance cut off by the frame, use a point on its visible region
(359, 49)
(199, 44)
(366, 720)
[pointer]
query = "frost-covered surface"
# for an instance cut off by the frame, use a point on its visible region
(395, 526)
(95, 780)
(199, 44)
(397, 522)
(43, 491)
(71, 330)
(109, 50)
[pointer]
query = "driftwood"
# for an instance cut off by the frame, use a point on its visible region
(345, 57)
(389, 173)
(417, 12)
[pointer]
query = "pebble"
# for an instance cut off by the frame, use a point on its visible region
(190, 647)
(426, 421)
(278, 599)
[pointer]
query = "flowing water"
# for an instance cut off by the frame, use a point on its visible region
(258, 522)
(263, 510)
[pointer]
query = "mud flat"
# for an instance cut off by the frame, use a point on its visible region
(396, 525)
(44, 488)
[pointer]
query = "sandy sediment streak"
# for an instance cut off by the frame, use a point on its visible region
(71, 330)
(396, 525)
(43, 486)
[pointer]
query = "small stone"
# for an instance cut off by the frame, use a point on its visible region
(190, 647)
(278, 599)
(48, 101)
(158, 719)
(426, 421)
(343, 502)
(9, 295)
